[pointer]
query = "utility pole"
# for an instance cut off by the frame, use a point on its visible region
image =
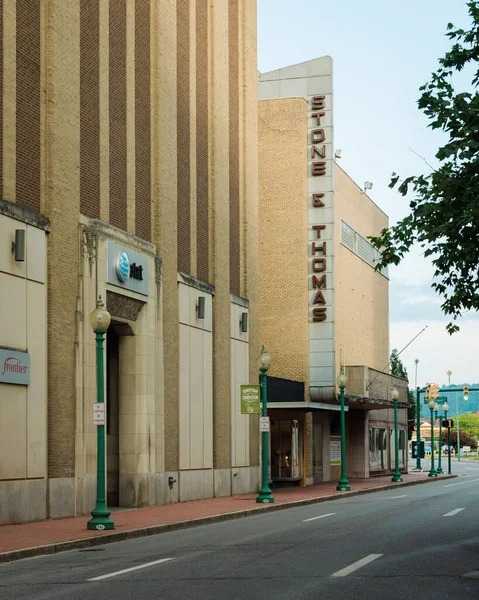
(418, 422)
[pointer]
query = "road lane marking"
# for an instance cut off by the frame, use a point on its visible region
(320, 517)
(395, 497)
(115, 573)
(462, 483)
(357, 565)
(453, 512)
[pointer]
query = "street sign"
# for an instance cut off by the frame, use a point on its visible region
(99, 413)
(439, 400)
(250, 400)
(264, 424)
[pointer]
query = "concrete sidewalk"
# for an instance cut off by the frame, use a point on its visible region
(49, 537)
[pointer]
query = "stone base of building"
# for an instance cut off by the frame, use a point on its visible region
(22, 501)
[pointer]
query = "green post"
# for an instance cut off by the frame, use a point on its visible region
(265, 496)
(439, 470)
(100, 514)
(458, 433)
(343, 483)
(397, 473)
(418, 429)
(448, 446)
(432, 471)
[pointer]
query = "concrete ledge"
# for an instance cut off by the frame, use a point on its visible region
(157, 529)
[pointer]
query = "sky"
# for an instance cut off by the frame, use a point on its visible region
(383, 51)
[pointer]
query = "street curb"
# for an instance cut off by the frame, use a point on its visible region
(121, 536)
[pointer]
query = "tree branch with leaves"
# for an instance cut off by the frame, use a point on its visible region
(444, 217)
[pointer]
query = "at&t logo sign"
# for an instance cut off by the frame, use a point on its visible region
(123, 266)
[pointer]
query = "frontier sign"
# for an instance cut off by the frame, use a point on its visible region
(14, 367)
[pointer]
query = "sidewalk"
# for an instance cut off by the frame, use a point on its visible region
(49, 537)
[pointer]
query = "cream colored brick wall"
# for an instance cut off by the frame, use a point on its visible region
(62, 155)
(362, 298)
(283, 231)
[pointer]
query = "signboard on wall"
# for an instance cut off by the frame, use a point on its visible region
(250, 400)
(335, 452)
(127, 269)
(14, 367)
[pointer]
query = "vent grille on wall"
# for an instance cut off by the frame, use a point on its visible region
(355, 242)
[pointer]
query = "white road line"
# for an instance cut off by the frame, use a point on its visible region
(357, 565)
(453, 512)
(115, 573)
(320, 517)
(462, 483)
(395, 497)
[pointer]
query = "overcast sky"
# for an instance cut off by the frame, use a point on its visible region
(383, 52)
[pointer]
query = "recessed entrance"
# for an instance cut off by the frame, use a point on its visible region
(286, 450)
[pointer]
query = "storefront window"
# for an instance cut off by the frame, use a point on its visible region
(377, 449)
(402, 448)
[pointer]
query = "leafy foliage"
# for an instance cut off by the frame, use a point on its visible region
(444, 217)
(399, 370)
(466, 439)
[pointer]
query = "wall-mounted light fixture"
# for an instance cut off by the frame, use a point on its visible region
(18, 246)
(200, 307)
(244, 322)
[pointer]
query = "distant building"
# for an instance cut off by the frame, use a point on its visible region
(322, 304)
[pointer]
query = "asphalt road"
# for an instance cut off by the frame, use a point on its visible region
(414, 542)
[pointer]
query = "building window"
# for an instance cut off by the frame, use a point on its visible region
(360, 246)
(377, 450)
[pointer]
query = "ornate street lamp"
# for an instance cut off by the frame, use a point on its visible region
(100, 321)
(397, 474)
(432, 471)
(343, 483)
(265, 496)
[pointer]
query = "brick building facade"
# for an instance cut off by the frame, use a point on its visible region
(128, 126)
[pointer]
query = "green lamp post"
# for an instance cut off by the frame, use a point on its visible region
(100, 321)
(432, 471)
(446, 409)
(439, 470)
(397, 474)
(343, 483)
(265, 496)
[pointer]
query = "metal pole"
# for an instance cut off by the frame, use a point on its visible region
(265, 496)
(418, 429)
(343, 483)
(397, 474)
(458, 433)
(100, 514)
(432, 472)
(449, 449)
(439, 470)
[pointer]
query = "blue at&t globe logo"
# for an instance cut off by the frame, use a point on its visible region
(123, 266)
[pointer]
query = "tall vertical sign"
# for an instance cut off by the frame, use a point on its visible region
(321, 229)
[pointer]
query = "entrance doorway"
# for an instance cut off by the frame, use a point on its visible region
(113, 416)
(286, 450)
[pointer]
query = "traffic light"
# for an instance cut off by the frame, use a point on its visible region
(426, 392)
(445, 423)
(465, 393)
(433, 391)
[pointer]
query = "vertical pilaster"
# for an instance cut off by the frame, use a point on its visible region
(219, 246)
(104, 113)
(8, 132)
(62, 147)
(249, 200)
(164, 152)
(130, 116)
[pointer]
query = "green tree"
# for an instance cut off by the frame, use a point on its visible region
(398, 369)
(469, 424)
(444, 217)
